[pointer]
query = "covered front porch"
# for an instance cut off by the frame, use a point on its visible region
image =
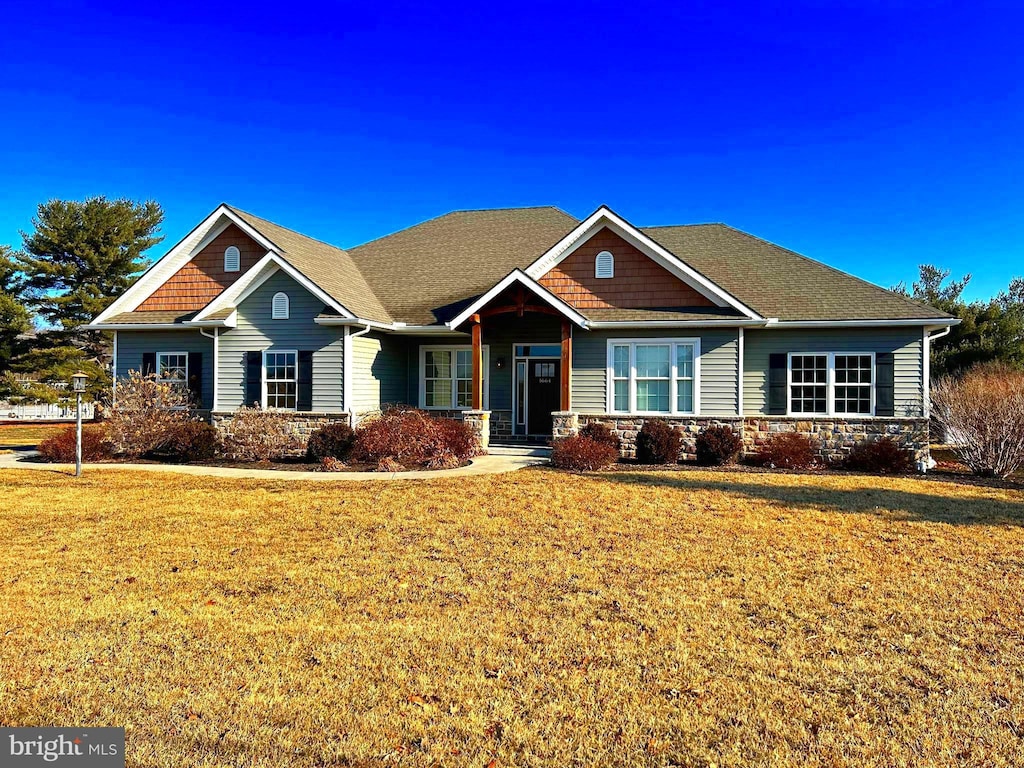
(521, 362)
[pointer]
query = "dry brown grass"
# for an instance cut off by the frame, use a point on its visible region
(687, 618)
(22, 435)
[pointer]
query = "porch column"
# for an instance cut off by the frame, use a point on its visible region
(566, 364)
(478, 365)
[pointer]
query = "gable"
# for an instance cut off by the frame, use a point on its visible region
(256, 309)
(638, 282)
(203, 278)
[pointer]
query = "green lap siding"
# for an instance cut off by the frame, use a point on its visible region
(905, 343)
(718, 367)
(257, 331)
(132, 345)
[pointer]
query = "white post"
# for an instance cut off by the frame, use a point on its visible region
(78, 435)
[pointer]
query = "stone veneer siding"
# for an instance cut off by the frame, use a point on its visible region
(834, 436)
(305, 422)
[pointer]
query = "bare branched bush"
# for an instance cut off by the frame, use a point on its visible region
(983, 415)
(145, 414)
(257, 435)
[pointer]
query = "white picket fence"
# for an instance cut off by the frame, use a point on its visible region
(43, 411)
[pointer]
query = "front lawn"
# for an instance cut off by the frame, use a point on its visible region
(28, 435)
(534, 618)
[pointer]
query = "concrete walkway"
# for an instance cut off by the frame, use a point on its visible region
(499, 460)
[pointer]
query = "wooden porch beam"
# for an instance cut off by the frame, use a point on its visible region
(478, 365)
(566, 365)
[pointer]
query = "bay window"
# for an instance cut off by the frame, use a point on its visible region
(831, 383)
(446, 377)
(653, 376)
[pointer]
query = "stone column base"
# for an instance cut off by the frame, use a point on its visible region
(480, 423)
(564, 424)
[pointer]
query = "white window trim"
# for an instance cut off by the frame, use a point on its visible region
(597, 260)
(263, 378)
(673, 375)
(287, 307)
(485, 353)
(830, 384)
(237, 256)
(171, 381)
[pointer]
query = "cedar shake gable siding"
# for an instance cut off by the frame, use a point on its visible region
(638, 281)
(201, 280)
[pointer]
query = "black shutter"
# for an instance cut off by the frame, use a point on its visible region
(253, 379)
(195, 377)
(304, 399)
(777, 383)
(885, 388)
(148, 363)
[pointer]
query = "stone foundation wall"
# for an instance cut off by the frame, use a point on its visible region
(835, 437)
(305, 422)
(501, 424)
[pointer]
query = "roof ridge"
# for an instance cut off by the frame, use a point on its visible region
(452, 213)
(836, 270)
(699, 224)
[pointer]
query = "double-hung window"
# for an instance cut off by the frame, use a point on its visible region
(446, 377)
(172, 368)
(831, 383)
(653, 376)
(280, 379)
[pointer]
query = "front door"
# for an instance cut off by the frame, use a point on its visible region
(544, 394)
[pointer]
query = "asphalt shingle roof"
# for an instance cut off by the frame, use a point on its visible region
(419, 271)
(328, 266)
(776, 282)
(421, 275)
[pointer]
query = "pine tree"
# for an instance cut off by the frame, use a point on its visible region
(81, 256)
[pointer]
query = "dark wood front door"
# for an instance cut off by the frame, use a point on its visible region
(543, 390)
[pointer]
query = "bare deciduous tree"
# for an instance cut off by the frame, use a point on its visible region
(147, 411)
(983, 415)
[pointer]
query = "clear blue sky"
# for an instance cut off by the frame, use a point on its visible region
(874, 136)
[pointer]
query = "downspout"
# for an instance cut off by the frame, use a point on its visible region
(113, 365)
(216, 357)
(739, 376)
(346, 375)
(927, 367)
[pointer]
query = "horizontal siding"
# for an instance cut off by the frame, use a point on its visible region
(718, 364)
(256, 331)
(131, 345)
(379, 371)
(905, 344)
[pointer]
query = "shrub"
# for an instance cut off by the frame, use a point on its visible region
(657, 443)
(883, 456)
(332, 441)
(145, 415)
(412, 437)
(454, 440)
(190, 441)
(787, 450)
(61, 447)
(332, 464)
(582, 454)
(718, 445)
(602, 433)
(257, 435)
(982, 414)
